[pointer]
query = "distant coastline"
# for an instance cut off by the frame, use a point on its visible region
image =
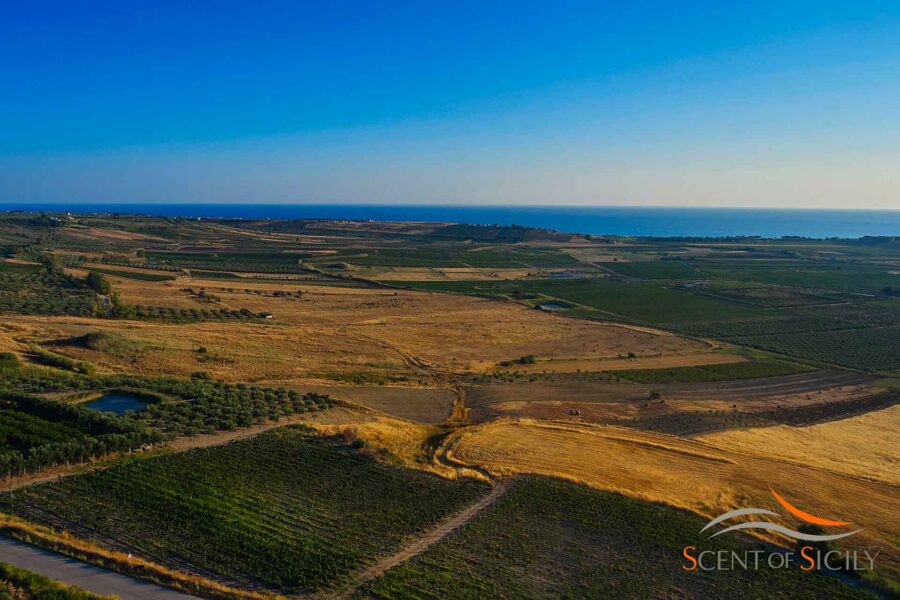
(625, 221)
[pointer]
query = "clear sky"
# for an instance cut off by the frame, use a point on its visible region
(767, 104)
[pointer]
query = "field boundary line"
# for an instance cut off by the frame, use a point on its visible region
(421, 543)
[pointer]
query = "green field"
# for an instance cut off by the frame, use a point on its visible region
(751, 369)
(19, 584)
(262, 262)
(454, 256)
(654, 269)
(38, 433)
(41, 293)
(648, 302)
(854, 332)
(132, 274)
(284, 510)
(547, 538)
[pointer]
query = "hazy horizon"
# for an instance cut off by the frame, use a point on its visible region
(775, 105)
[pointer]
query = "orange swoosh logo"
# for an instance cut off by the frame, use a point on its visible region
(805, 516)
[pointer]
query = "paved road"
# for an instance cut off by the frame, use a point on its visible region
(88, 577)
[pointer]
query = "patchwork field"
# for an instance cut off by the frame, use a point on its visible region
(696, 475)
(283, 510)
(547, 538)
(493, 411)
(338, 334)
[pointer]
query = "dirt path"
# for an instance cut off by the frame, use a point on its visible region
(337, 414)
(421, 543)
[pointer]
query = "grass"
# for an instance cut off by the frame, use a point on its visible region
(657, 269)
(61, 361)
(284, 509)
(449, 256)
(19, 584)
(751, 369)
(548, 538)
(110, 343)
(142, 276)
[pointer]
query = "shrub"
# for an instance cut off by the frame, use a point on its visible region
(61, 361)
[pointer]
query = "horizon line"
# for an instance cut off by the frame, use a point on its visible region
(449, 206)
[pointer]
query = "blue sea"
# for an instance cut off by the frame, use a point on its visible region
(627, 221)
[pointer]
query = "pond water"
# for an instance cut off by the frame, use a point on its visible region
(554, 306)
(115, 402)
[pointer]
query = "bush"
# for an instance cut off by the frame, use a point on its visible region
(26, 584)
(62, 362)
(98, 283)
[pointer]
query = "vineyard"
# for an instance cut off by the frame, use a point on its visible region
(546, 538)
(131, 274)
(776, 296)
(751, 369)
(240, 262)
(284, 510)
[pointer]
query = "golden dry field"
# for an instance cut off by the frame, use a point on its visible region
(691, 474)
(864, 446)
(332, 333)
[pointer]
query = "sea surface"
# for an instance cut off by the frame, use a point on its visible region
(627, 221)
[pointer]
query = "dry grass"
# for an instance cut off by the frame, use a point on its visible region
(119, 561)
(96, 234)
(620, 364)
(863, 446)
(685, 473)
(335, 333)
(442, 274)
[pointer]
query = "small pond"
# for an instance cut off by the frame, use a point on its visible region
(554, 306)
(117, 403)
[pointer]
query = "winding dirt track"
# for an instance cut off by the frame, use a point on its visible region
(422, 542)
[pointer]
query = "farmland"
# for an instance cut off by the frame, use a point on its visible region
(283, 510)
(713, 372)
(690, 474)
(549, 538)
(403, 410)
(40, 293)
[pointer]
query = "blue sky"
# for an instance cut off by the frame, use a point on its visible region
(604, 103)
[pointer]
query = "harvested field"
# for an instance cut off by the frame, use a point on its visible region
(355, 335)
(423, 405)
(600, 400)
(440, 274)
(686, 473)
(623, 364)
(694, 420)
(864, 446)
